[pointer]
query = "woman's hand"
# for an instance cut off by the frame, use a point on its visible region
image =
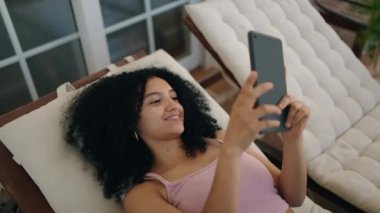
(298, 115)
(245, 121)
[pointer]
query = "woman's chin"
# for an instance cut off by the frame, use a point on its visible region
(175, 132)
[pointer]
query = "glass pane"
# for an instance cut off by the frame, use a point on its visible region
(6, 49)
(158, 3)
(13, 89)
(170, 34)
(115, 11)
(54, 67)
(41, 21)
(127, 41)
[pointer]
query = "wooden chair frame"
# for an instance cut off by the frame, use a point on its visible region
(13, 176)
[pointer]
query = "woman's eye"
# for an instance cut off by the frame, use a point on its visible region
(175, 98)
(154, 102)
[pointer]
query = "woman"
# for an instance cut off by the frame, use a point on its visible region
(150, 138)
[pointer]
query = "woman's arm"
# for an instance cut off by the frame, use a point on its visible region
(275, 172)
(223, 196)
(293, 177)
(291, 180)
(242, 128)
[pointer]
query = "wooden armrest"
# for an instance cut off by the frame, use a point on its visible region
(339, 20)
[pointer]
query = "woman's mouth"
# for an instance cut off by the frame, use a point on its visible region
(173, 118)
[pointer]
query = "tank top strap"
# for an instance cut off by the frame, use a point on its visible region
(154, 176)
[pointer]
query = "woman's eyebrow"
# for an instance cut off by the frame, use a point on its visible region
(152, 93)
(158, 93)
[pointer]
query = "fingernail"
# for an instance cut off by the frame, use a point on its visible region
(287, 124)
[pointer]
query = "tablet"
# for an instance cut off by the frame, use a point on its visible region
(267, 59)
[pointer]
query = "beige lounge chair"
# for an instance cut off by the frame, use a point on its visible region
(43, 174)
(342, 138)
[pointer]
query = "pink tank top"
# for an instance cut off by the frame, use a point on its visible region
(257, 191)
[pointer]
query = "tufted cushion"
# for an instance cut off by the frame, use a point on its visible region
(57, 169)
(342, 142)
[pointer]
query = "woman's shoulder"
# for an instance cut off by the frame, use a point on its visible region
(147, 188)
(147, 192)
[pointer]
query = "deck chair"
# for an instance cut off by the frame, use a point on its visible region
(43, 174)
(342, 138)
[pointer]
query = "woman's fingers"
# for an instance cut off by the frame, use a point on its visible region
(250, 81)
(293, 109)
(285, 101)
(246, 90)
(266, 109)
(248, 94)
(302, 112)
(260, 89)
(298, 111)
(303, 121)
(264, 124)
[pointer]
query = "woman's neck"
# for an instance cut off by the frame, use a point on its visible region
(167, 154)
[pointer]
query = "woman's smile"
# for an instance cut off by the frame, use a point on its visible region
(173, 117)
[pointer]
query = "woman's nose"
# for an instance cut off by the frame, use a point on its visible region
(171, 104)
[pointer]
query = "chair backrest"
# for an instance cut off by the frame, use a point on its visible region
(22, 188)
(40, 171)
(321, 70)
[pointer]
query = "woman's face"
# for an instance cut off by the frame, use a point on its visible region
(161, 115)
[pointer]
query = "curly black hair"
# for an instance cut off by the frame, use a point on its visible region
(101, 120)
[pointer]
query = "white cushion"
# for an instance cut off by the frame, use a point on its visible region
(68, 184)
(342, 137)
